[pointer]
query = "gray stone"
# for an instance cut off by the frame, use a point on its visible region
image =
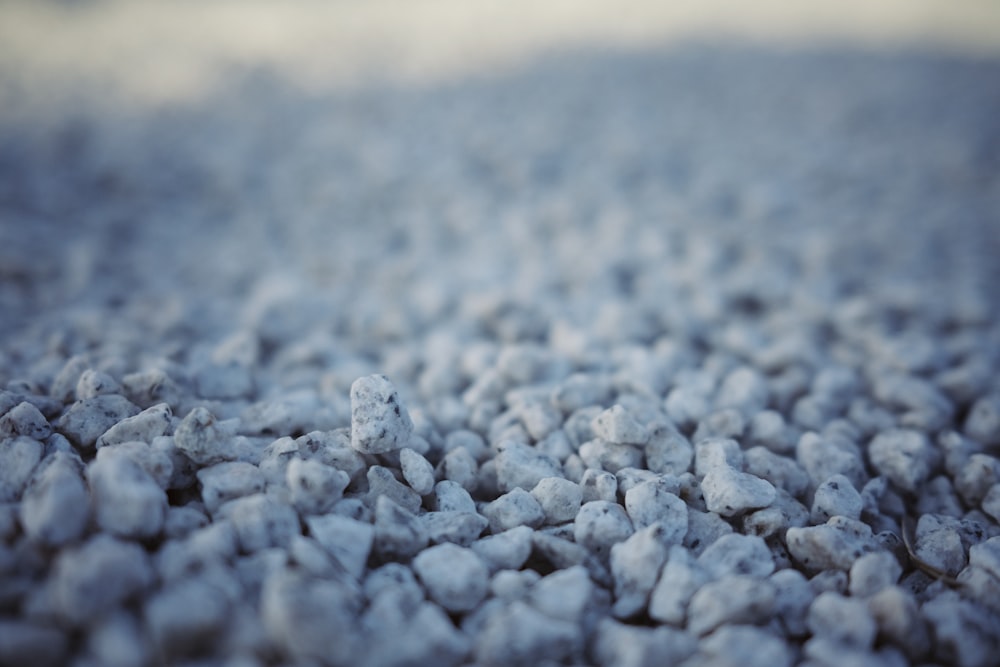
(455, 577)
(986, 555)
(668, 451)
(459, 466)
(565, 594)
(906, 457)
(616, 425)
(964, 635)
(202, 438)
(506, 551)
(379, 422)
(96, 383)
(744, 389)
(461, 528)
(600, 524)
(510, 585)
(599, 485)
(88, 419)
(314, 487)
(223, 482)
(24, 419)
(635, 566)
(18, 458)
(874, 572)
(382, 483)
(897, 616)
(824, 457)
(187, 616)
(127, 501)
(155, 461)
(712, 452)
(518, 635)
(312, 620)
(56, 505)
(399, 535)
(836, 497)
(631, 646)
(841, 619)
(513, 509)
(610, 456)
(143, 427)
(730, 600)
(425, 636)
(656, 502)
(729, 492)
(679, 579)
(976, 476)
(24, 642)
(261, 522)
(833, 545)
(95, 578)
(737, 554)
(781, 471)
(348, 541)
(451, 497)
(792, 597)
(417, 471)
(704, 528)
(939, 544)
(521, 466)
(118, 641)
(983, 422)
(746, 646)
(559, 498)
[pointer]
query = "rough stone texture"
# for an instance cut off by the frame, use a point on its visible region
(730, 492)
(145, 426)
(454, 577)
(55, 508)
(834, 545)
(379, 422)
(906, 457)
(600, 525)
(127, 501)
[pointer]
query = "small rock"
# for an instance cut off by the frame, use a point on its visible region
(417, 471)
(88, 419)
(599, 485)
(518, 635)
(399, 535)
(964, 635)
(906, 457)
(26, 420)
(729, 492)
(897, 616)
(223, 482)
(983, 422)
(461, 528)
(611, 456)
(559, 498)
(834, 545)
(455, 577)
(939, 544)
(655, 502)
(96, 383)
(824, 457)
(704, 528)
(451, 497)
(202, 438)
(314, 487)
(521, 466)
(616, 425)
(730, 600)
(631, 646)
(601, 524)
(143, 427)
(118, 641)
(56, 506)
(348, 541)
(155, 461)
(746, 646)
(516, 508)
(92, 579)
(680, 578)
(873, 572)
(505, 551)
(712, 452)
(510, 585)
(379, 422)
(382, 483)
(986, 555)
(459, 466)
(127, 501)
(668, 451)
(18, 458)
(836, 497)
(725, 424)
(841, 619)
(261, 522)
(737, 554)
(781, 471)
(565, 594)
(635, 566)
(792, 597)
(187, 617)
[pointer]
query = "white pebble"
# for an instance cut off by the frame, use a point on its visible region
(834, 545)
(88, 419)
(566, 594)
(656, 501)
(521, 466)
(455, 577)
(261, 522)
(513, 509)
(616, 425)
(18, 458)
(737, 554)
(314, 487)
(144, 427)
(223, 482)
(841, 619)
(379, 421)
(127, 501)
(729, 492)
(730, 600)
(461, 528)
(92, 579)
(417, 471)
(451, 497)
(155, 461)
(713, 452)
(24, 419)
(506, 551)
(836, 497)
(56, 506)
(96, 383)
(874, 572)
(348, 541)
(599, 485)
(906, 457)
(635, 566)
(601, 524)
(559, 498)
(398, 533)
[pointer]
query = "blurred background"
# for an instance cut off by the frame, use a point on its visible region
(155, 51)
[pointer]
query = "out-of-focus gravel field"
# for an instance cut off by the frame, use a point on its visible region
(772, 240)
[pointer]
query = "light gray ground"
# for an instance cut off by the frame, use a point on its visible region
(781, 267)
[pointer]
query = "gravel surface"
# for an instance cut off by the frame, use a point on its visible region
(679, 357)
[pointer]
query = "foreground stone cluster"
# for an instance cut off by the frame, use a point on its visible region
(580, 437)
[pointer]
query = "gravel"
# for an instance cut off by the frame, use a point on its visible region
(685, 356)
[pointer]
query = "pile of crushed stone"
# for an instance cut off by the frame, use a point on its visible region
(678, 358)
